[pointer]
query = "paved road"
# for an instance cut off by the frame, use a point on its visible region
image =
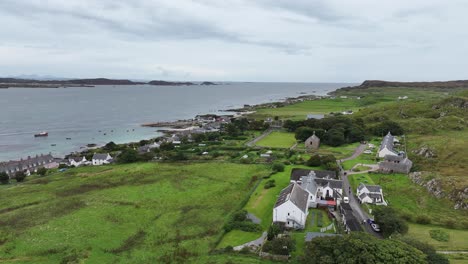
(255, 140)
(256, 243)
(358, 212)
(358, 151)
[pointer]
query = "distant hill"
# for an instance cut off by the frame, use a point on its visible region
(438, 84)
(14, 82)
(10, 82)
(166, 83)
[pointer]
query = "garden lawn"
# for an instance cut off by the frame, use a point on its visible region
(277, 140)
(457, 238)
(340, 152)
(237, 238)
(138, 213)
(356, 179)
(300, 110)
(363, 159)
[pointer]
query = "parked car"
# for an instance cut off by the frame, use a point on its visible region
(345, 199)
(375, 227)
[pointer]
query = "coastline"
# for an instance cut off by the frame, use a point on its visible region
(188, 124)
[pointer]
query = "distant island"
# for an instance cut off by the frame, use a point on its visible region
(426, 85)
(31, 83)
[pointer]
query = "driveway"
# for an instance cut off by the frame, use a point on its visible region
(255, 243)
(358, 151)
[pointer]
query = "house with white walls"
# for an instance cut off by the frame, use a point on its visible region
(291, 207)
(101, 159)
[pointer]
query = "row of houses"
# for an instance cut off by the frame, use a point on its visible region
(98, 159)
(28, 165)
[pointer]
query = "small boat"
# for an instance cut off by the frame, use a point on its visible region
(42, 134)
(68, 138)
(53, 145)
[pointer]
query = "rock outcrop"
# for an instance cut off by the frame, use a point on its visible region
(425, 152)
(434, 187)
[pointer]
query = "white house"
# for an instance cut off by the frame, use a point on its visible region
(77, 161)
(386, 148)
(371, 194)
(323, 190)
(101, 159)
(291, 208)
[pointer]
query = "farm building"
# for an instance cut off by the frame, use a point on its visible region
(395, 164)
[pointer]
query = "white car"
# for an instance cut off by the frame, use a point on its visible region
(375, 227)
(345, 199)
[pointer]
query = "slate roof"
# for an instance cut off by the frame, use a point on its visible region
(31, 163)
(76, 159)
(296, 174)
(371, 188)
(394, 158)
(296, 195)
(387, 142)
(100, 156)
(332, 183)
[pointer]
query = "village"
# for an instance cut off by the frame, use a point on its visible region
(310, 192)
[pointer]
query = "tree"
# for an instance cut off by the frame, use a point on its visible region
(278, 167)
(166, 146)
(280, 245)
(273, 231)
(232, 130)
(384, 127)
(360, 248)
(431, 255)
(4, 178)
(198, 137)
(314, 161)
(355, 134)
(42, 171)
(111, 146)
(128, 156)
(303, 133)
(389, 221)
(20, 176)
(334, 137)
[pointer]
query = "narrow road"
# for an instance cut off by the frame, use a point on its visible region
(255, 140)
(358, 151)
(256, 243)
(358, 212)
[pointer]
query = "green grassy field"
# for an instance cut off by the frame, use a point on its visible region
(363, 159)
(260, 204)
(340, 152)
(277, 140)
(300, 111)
(414, 200)
(137, 213)
(457, 238)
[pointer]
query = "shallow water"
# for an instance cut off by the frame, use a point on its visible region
(114, 113)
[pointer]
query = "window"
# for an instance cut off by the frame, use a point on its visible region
(288, 214)
(288, 222)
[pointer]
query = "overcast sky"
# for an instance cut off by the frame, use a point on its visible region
(236, 40)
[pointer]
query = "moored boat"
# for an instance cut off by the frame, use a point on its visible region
(42, 134)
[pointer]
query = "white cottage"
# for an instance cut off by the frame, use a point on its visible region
(291, 208)
(386, 148)
(77, 161)
(323, 189)
(371, 194)
(101, 159)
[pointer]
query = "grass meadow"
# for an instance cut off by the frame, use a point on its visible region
(137, 213)
(412, 200)
(300, 110)
(277, 139)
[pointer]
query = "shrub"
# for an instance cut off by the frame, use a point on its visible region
(20, 176)
(42, 171)
(278, 167)
(439, 235)
(450, 223)
(423, 219)
(314, 161)
(280, 246)
(4, 178)
(269, 184)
